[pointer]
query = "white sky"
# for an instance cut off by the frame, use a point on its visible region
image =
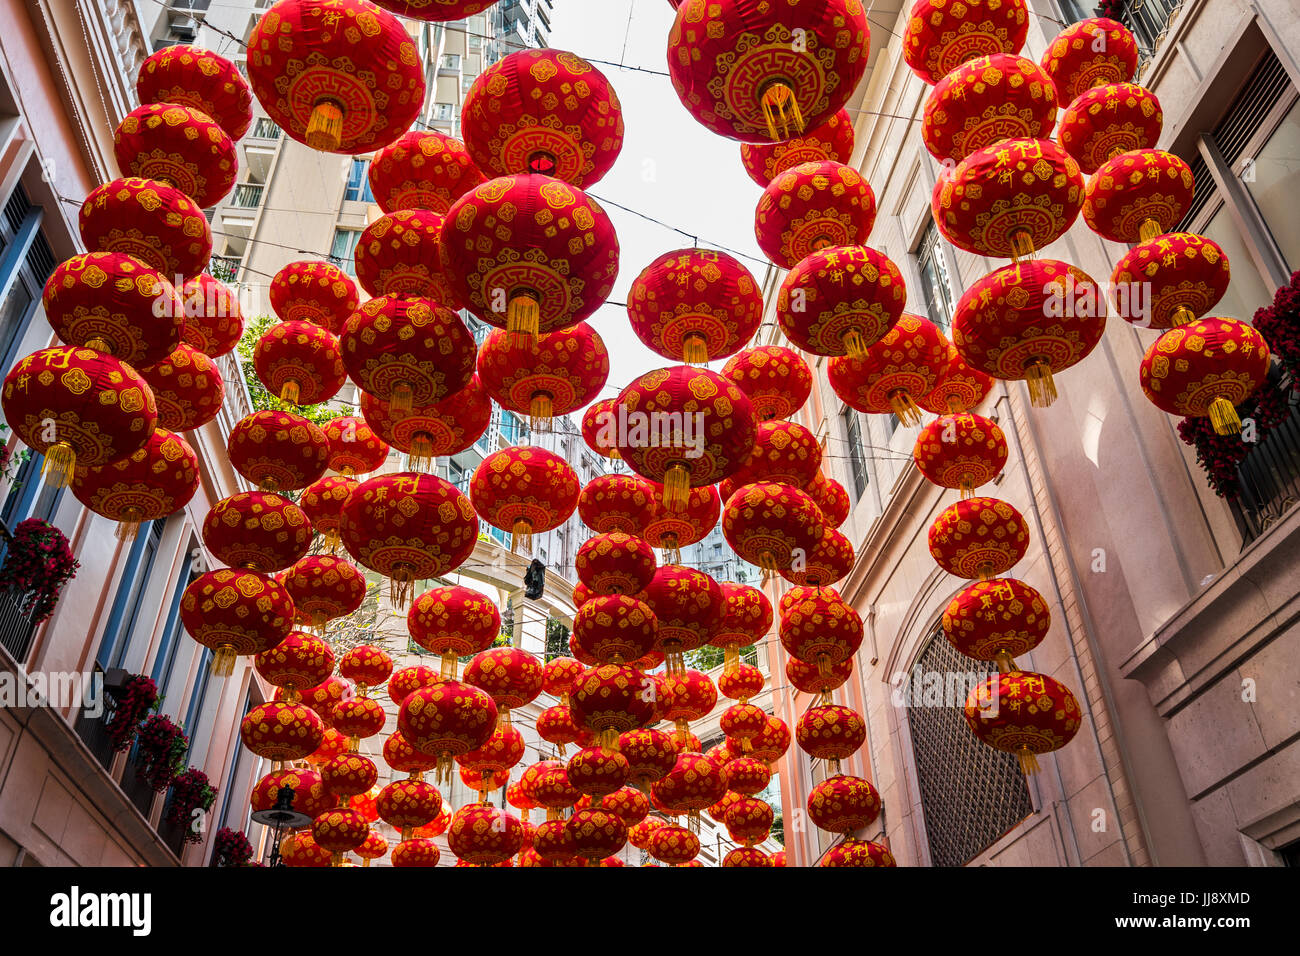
(670, 168)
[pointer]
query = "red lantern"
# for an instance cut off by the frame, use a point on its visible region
(611, 699)
(821, 628)
(858, 853)
(961, 451)
(840, 300)
(152, 221)
(686, 696)
(1171, 280)
(339, 831)
(397, 255)
(300, 849)
(408, 526)
(555, 725)
(300, 363)
(749, 821)
(324, 587)
(342, 76)
(688, 606)
(830, 732)
(1108, 120)
(775, 378)
(674, 530)
(436, 10)
(1138, 195)
(309, 794)
(547, 376)
(357, 717)
(1023, 713)
(149, 484)
(832, 140)
(278, 451)
(615, 563)
(180, 146)
(596, 834)
(299, 661)
(904, 365)
(408, 680)
(829, 495)
(978, 538)
(745, 681)
(747, 856)
(484, 835)
(526, 490)
(650, 754)
(769, 524)
(422, 169)
(830, 560)
(986, 100)
(745, 620)
(810, 679)
(559, 674)
(1009, 199)
(322, 501)
(187, 388)
(366, 666)
(511, 676)
(281, 731)
(114, 303)
(495, 757)
(812, 207)
(960, 387)
(349, 774)
(318, 292)
(694, 305)
(447, 720)
(941, 37)
(257, 530)
(746, 775)
(444, 428)
(1092, 52)
(614, 629)
(786, 453)
(201, 80)
(455, 622)
(214, 322)
(694, 784)
(842, 804)
(572, 256)
(615, 503)
(354, 447)
(402, 757)
(374, 848)
(765, 72)
(596, 772)
(599, 428)
(418, 851)
(543, 111)
(546, 784)
(1206, 368)
(997, 620)
(1029, 320)
(674, 845)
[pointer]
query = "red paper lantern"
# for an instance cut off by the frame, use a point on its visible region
(214, 322)
(318, 292)
(747, 856)
(597, 834)
(453, 621)
(180, 146)
(812, 207)
(694, 305)
(349, 774)
(422, 169)
(840, 300)
(572, 258)
(543, 111)
(356, 718)
(830, 732)
(1138, 195)
(650, 754)
(978, 538)
(830, 560)
(749, 821)
(775, 378)
(829, 495)
(322, 501)
(941, 37)
(402, 757)
(234, 612)
(985, 100)
(341, 76)
(770, 524)
(510, 675)
(546, 784)
(960, 451)
(694, 784)
(615, 563)
(742, 683)
(745, 620)
(1092, 52)
(300, 363)
(261, 531)
(525, 490)
(832, 140)
(674, 845)
(187, 388)
(674, 530)
(408, 680)
(596, 772)
(374, 848)
(152, 221)
(746, 775)
(397, 255)
(419, 851)
(447, 720)
(436, 10)
(610, 503)
(484, 835)
(600, 428)
(339, 831)
(611, 699)
(299, 661)
(809, 678)
(550, 375)
(765, 72)
(688, 606)
(309, 794)
(1171, 280)
(447, 427)
(555, 725)
(201, 80)
(960, 388)
(997, 620)
(354, 447)
(821, 628)
(149, 484)
(278, 451)
(366, 666)
(686, 696)
(495, 757)
(278, 731)
(559, 675)
(1108, 120)
(842, 804)
(300, 849)
(324, 587)
(858, 853)
(786, 453)
(1023, 713)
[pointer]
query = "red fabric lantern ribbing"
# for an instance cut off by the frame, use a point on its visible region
(397, 255)
(650, 755)
(1206, 368)
(615, 563)
(339, 831)
(840, 300)
(543, 111)
(214, 322)
(354, 447)
(117, 302)
(300, 363)
(830, 496)
(749, 821)
(524, 490)
(187, 388)
(155, 222)
(830, 560)
(278, 731)
(610, 503)
(687, 696)
(342, 76)
(572, 258)
(512, 677)
(151, 483)
(858, 853)
(745, 620)
(904, 365)
(555, 725)
(257, 530)
(1030, 320)
(426, 432)
(407, 804)
(784, 452)
(687, 603)
(960, 451)
(1138, 195)
(436, 10)
(1169, 281)
(1008, 199)
(180, 146)
(986, 100)
(763, 72)
(996, 620)
(746, 776)
(1091, 52)
(453, 621)
(674, 530)
(408, 680)
(423, 169)
(235, 612)
(600, 428)
(830, 732)
(356, 718)
(1108, 120)
(349, 774)
(842, 804)
(278, 451)
(611, 699)
(318, 292)
(941, 37)
(978, 538)
(322, 500)
(550, 375)
(1023, 713)
(299, 661)
(774, 377)
(418, 851)
(695, 783)
(201, 80)
(324, 587)
(695, 305)
(813, 206)
(447, 720)
(408, 526)
(402, 757)
(831, 140)
(769, 524)
(309, 794)
(960, 388)
(821, 628)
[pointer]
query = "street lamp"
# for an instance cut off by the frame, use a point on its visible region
(282, 816)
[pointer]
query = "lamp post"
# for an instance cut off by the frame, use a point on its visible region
(282, 816)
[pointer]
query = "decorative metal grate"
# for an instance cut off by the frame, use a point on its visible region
(971, 794)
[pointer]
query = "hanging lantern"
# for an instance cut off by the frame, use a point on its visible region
(422, 169)
(555, 725)
(322, 698)
(366, 666)
(858, 853)
(941, 37)
(746, 856)
(986, 100)
(402, 757)
(214, 322)
(495, 757)
(544, 377)
(615, 563)
(324, 587)
(357, 718)
(961, 451)
(808, 678)
(843, 804)
(277, 732)
(149, 484)
(674, 845)
(1206, 368)
(300, 849)
(318, 292)
(770, 524)
(299, 661)
(234, 612)
(764, 73)
(554, 843)
(198, 78)
(960, 388)
(688, 606)
(447, 720)
(829, 495)
(600, 428)
(408, 680)
(686, 427)
(596, 834)
(511, 676)
(341, 76)
(742, 683)
(674, 530)
(840, 300)
(180, 146)
(572, 258)
(1108, 120)
(525, 490)
(436, 10)
(309, 794)
(749, 822)
(904, 365)
(1028, 321)
(830, 560)
(694, 784)
(408, 527)
(300, 363)
(349, 775)
(687, 696)
(745, 620)
(417, 851)
(775, 378)
(354, 447)
(1138, 195)
(1174, 279)
(114, 303)
(830, 732)
(650, 754)
(559, 675)
(695, 305)
(1092, 52)
(1023, 713)
(322, 501)
(615, 503)
(187, 389)
(746, 775)
(78, 408)
(278, 451)
(978, 538)
(611, 699)
(407, 351)
(543, 111)
(455, 622)
(373, 848)
(596, 772)
(397, 255)
(996, 621)
(261, 531)
(786, 453)
(426, 432)
(832, 140)
(339, 831)
(813, 207)
(821, 628)
(152, 221)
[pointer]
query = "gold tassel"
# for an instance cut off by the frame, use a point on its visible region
(400, 585)
(449, 662)
(402, 401)
(336, 859)
(731, 659)
(268, 484)
(99, 344)
(553, 813)
(1148, 230)
(540, 412)
(674, 663)
(523, 316)
(223, 661)
(677, 487)
(854, 343)
(1042, 387)
(967, 487)
(129, 525)
(60, 463)
(503, 719)
(1005, 664)
(331, 540)
(903, 406)
(1022, 245)
(421, 453)
(695, 350)
(325, 128)
(446, 762)
(683, 730)
(781, 112)
(1223, 416)
(746, 745)
(291, 695)
(289, 392)
(365, 862)
(672, 551)
(954, 405)
(823, 665)
(693, 820)
(607, 739)
(521, 535)
(1182, 315)
(1028, 762)
(985, 571)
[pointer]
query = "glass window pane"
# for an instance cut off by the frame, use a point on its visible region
(1272, 182)
(1246, 290)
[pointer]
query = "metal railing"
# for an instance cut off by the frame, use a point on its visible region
(266, 128)
(224, 268)
(1269, 478)
(247, 196)
(16, 626)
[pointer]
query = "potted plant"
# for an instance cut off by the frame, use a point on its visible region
(37, 566)
(136, 699)
(191, 792)
(161, 752)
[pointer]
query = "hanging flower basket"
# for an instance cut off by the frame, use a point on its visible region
(162, 752)
(1279, 323)
(191, 791)
(231, 848)
(37, 566)
(139, 696)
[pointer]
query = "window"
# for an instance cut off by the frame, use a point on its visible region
(345, 243)
(857, 459)
(358, 187)
(971, 794)
(446, 112)
(450, 61)
(165, 659)
(936, 285)
(26, 261)
(130, 595)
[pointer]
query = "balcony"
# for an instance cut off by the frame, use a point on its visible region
(266, 128)
(16, 626)
(1269, 478)
(224, 268)
(247, 196)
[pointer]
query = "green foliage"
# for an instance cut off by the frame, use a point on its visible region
(261, 398)
(708, 657)
(557, 639)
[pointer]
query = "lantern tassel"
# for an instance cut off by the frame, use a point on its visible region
(854, 344)
(1042, 387)
(695, 349)
(823, 665)
(60, 463)
(607, 739)
(1022, 245)
(1182, 315)
(223, 661)
(1028, 762)
(746, 745)
(446, 761)
(683, 731)
(402, 401)
(325, 128)
(674, 663)
(677, 486)
(448, 669)
(672, 550)
(540, 412)
(420, 456)
(1148, 230)
(731, 659)
(781, 112)
(521, 536)
(290, 392)
(967, 486)
(523, 315)
(331, 540)
(903, 406)
(400, 584)
(129, 526)
(1224, 418)
(1005, 662)
(503, 720)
